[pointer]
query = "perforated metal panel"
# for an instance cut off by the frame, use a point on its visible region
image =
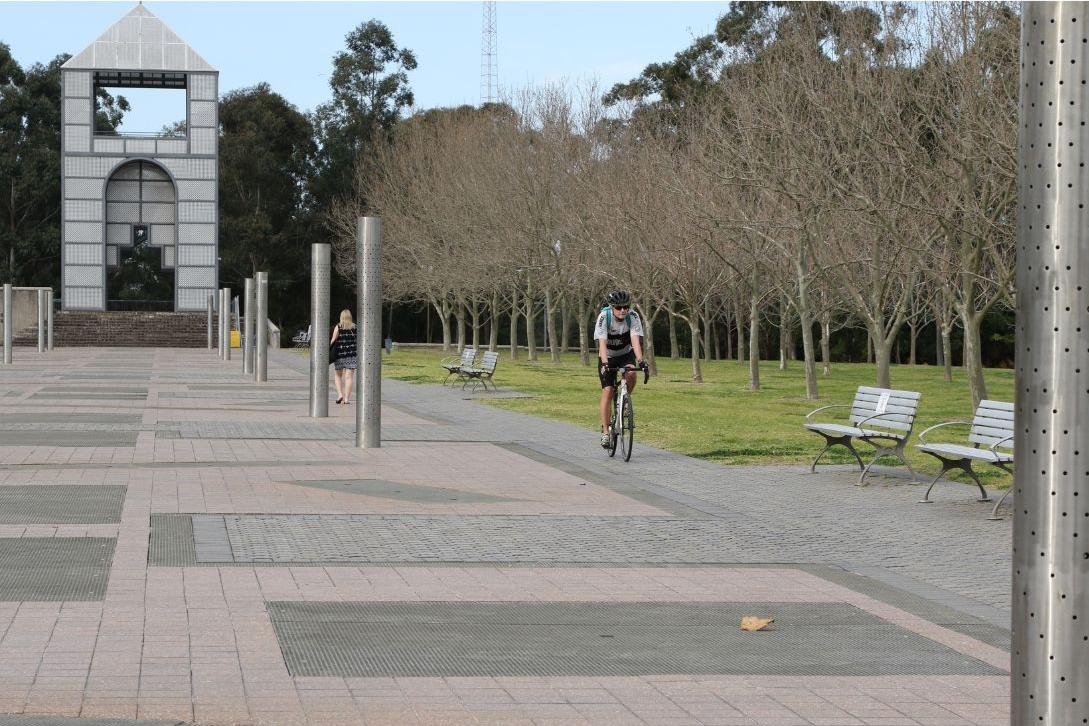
(80, 210)
(170, 146)
(77, 138)
(202, 141)
(151, 172)
(158, 191)
(1050, 666)
(196, 277)
(77, 83)
(140, 146)
(197, 190)
(368, 417)
(194, 299)
(89, 232)
(83, 189)
(130, 172)
(95, 167)
(112, 255)
(197, 234)
(79, 275)
(162, 235)
(82, 254)
(202, 113)
(320, 275)
(169, 260)
(84, 298)
(196, 256)
(191, 168)
(122, 190)
(109, 146)
(196, 212)
(77, 110)
(202, 87)
(127, 212)
(157, 213)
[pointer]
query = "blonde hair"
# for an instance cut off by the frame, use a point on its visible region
(346, 320)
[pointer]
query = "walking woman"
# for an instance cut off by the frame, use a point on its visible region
(344, 356)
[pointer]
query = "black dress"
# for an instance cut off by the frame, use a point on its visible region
(344, 352)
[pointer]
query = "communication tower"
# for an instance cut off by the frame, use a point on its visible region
(489, 56)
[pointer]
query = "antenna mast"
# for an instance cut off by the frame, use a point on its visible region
(489, 56)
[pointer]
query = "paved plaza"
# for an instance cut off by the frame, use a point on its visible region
(179, 544)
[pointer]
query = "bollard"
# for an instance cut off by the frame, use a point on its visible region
(225, 326)
(247, 327)
(219, 323)
(368, 285)
(41, 321)
(49, 321)
(320, 258)
(9, 323)
(211, 319)
(261, 323)
(1049, 673)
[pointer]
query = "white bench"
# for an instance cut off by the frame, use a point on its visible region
(880, 417)
(482, 374)
(302, 340)
(991, 427)
(454, 366)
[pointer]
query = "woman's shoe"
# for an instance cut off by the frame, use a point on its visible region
(340, 400)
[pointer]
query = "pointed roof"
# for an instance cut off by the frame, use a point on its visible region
(139, 42)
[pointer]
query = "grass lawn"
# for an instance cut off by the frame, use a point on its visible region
(720, 420)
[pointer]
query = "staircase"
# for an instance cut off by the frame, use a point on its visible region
(123, 329)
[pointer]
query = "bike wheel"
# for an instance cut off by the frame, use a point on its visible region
(627, 428)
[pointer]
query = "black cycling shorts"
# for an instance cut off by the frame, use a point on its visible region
(609, 379)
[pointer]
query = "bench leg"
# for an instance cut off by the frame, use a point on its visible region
(994, 512)
(882, 451)
(829, 442)
(964, 465)
(926, 497)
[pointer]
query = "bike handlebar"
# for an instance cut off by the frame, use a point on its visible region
(630, 367)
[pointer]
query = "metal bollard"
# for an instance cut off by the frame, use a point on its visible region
(211, 319)
(1050, 653)
(41, 321)
(320, 271)
(49, 321)
(9, 323)
(247, 327)
(261, 322)
(226, 315)
(219, 323)
(368, 285)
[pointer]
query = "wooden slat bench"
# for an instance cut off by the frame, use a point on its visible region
(482, 374)
(880, 417)
(454, 366)
(990, 436)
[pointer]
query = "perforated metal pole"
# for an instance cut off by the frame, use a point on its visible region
(41, 321)
(1050, 659)
(9, 323)
(49, 320)
(368, 284)
(211, 318)
(225, 313)
(247, 326)
(219, 323)
(261, 322)
(320, 270)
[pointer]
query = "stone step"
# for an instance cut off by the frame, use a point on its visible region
(126, 329)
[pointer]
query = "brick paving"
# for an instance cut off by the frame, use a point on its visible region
(541, 517)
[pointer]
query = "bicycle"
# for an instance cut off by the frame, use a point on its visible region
(623, 412)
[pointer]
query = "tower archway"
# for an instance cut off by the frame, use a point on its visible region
(141, 237)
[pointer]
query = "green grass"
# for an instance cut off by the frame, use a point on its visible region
(720, 420)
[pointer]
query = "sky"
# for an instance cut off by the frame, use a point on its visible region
(290, 45)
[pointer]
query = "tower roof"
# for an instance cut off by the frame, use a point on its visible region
(139, 42)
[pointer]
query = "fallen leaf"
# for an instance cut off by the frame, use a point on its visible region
(751, 623)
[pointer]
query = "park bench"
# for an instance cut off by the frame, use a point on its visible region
(990, 439)
(880, 417)
(483, 374)
(453, 366)
(302, 340)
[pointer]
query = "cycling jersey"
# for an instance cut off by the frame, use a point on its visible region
(617, 333)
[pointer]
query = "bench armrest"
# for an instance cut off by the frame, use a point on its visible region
(810, 415)
(922, 434)
(996, 444)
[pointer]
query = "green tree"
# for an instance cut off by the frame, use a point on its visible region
(370, 90)
(265, 151)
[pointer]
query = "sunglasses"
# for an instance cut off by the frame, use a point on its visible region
(621, 307)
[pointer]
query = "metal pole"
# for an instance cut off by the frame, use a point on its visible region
(368, 284)
(211, 319)
(247, 327)
(41, 321)
(225, 313)
(261, 321)
(9, 323)
(219, 323)
(49, 321)
(320, 270)
(1050, 658)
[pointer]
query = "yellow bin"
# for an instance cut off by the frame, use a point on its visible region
(236, 339)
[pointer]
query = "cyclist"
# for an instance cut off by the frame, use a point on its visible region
(619, 336)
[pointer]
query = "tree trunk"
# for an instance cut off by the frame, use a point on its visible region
(584, 332)
(674, 346)
(474, 313)
(493, 328)
(882, 351)
(715, 354)
(531, 325)
(939, 351)
(550, 318)
(706, 330)
(565, 330)
(648, 340)
(826, 343)
(947, 351)
(783, 336)
(514, 323)
(972, 321)
(443, 310)
(728, 333)
(694, 331)
(741, 357)
(869, 347)
(459, 315)
(754, 344)
(805, 318)
(913, 338)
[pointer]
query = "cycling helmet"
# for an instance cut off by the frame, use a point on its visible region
(618, 297)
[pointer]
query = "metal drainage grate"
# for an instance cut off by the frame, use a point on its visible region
(417, 493)
(61, 504)
(457, 639)
(60, 437)
(20, 720)
(73, 417)
(54, 568)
